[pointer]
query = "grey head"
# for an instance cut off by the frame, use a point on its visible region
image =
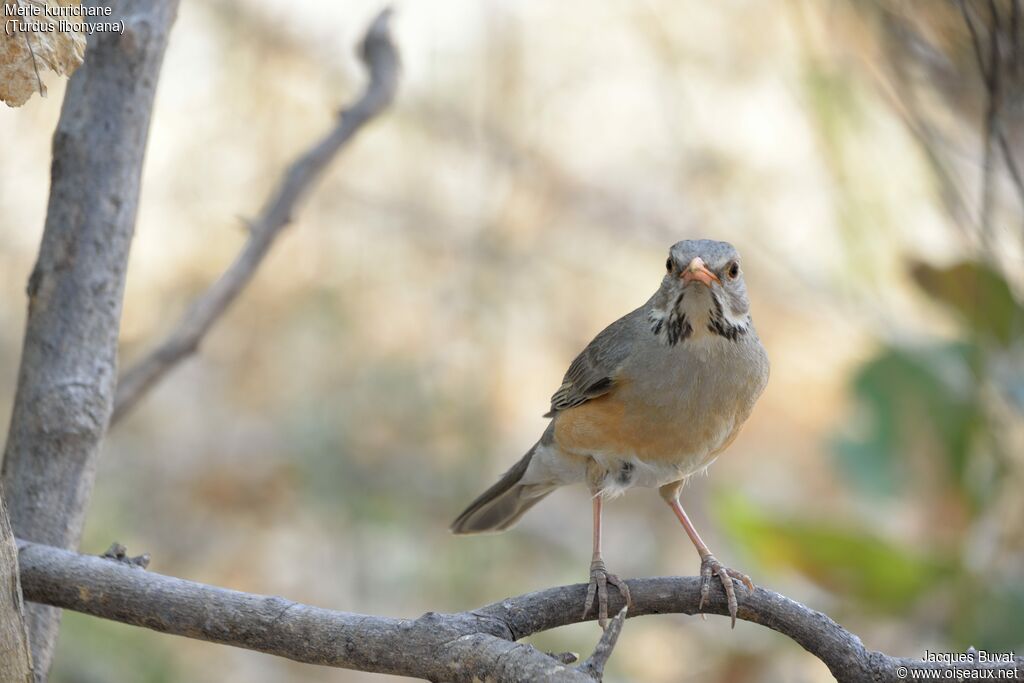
(702, 294)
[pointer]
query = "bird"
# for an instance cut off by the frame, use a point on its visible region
(650, 402)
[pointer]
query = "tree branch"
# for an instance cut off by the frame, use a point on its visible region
(381, 59)
(992, 78)
(594, 666)
(69, 357)
(472, 645)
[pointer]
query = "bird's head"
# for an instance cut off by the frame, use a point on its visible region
(702, 293)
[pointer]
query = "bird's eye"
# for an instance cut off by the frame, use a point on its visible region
(733, 271)
(668, 264)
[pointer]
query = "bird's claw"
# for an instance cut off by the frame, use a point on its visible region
(709, 567)
(599, 580)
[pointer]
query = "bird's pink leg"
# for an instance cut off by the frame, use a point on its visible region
(599, 576)
(709, 566)
(691, 530)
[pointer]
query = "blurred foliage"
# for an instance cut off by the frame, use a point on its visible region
(857, 564)
(992, 613)
(924, 406)
(938, 408)
(933, 395)
(910, 394)
(982, 298)
(99, 651)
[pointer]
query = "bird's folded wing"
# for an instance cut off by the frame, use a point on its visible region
(595, 370)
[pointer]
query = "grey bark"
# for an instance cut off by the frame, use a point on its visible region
(382, 62)
(69, 356)
(473, 645)
(15, 657)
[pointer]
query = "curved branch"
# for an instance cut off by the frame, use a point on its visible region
(381, 59)
(472, 645)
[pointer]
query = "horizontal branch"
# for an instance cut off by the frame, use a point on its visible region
(381, 59)
(437, 647)
(471, 645)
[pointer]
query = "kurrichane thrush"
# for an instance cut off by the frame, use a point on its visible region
(650, 402)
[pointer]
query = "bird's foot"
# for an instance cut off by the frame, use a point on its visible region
(599, 580)
(709, 567)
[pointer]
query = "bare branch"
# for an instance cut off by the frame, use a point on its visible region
(594, 666)
(69, 357)
(1011, 163)
(472, 645)
(448, 647)
(979, 50)
(904, 98)
(1015, 52)
(381, 58)
(992, 77)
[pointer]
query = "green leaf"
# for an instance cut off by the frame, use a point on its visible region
(978, 294)
(922, 402)
(850, 562)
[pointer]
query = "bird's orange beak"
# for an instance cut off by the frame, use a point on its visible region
(698, 271)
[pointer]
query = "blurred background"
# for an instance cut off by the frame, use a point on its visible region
(399, 345)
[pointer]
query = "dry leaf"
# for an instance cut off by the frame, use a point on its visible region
(24, 55)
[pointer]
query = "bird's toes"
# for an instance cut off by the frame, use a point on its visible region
(591, 593)
(597, 591)
(622, 587)
(712, 567)
(602, 600)
(742, 578)
(706, 569)
(730, 596)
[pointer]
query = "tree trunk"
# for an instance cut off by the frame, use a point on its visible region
(15, 660)
(69, 358)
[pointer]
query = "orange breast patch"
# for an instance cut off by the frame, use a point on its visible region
(613, 426)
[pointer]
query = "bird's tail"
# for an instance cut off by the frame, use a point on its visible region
(500, 507)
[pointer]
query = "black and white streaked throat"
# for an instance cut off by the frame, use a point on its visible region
(695, 311)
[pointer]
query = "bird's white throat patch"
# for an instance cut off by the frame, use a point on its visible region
(696, 312)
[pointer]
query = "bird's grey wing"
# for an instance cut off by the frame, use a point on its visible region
(594, 371)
